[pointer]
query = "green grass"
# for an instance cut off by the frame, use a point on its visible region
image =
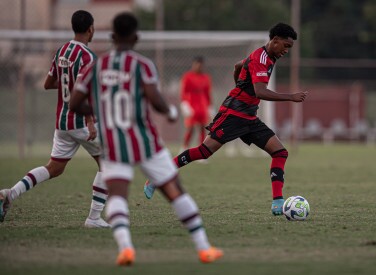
(44, 234)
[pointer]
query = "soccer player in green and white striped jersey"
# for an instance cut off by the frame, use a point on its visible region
(120, 86)
(72, 130)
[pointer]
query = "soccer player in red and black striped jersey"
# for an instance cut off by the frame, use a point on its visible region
(237, 116)
(72, 130)
(120, 85)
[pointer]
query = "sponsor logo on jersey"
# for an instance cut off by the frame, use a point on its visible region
(262, 74)
(65, 63)
(113, 78)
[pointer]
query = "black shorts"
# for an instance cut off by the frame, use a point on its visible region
(225, 128)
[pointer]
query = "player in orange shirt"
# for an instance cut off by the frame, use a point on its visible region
(195, 100)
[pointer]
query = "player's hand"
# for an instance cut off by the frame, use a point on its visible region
(186, 109)
(92, 131)
(299, 97)
(172, 115)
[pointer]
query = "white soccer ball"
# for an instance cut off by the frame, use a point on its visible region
(296, 208)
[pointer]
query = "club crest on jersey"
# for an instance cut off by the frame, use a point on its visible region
(65, 63)
(113, 77)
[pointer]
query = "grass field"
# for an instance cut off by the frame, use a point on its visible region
(44, 234)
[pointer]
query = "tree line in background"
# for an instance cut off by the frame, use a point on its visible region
(329, 28)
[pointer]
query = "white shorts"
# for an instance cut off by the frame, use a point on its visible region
(66, 144)
(159, 169)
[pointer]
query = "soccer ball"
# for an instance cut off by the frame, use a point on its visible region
(296, 208)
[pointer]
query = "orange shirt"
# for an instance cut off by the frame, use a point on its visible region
(196, 90)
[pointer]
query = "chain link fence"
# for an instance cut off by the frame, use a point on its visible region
(27, 117)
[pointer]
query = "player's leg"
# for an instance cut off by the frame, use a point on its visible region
(98, 201)
(277, 169)
(223, 129)
(99, 187)
(188, 136)
(202, 152)
(117, 177)
(63, 149)
(162, 171)
(263, 137)
(27, 183)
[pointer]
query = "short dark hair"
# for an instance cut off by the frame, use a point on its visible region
(283, 30)
(199, 59)
(125, 24)
(81, 21)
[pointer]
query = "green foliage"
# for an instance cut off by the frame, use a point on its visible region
(220, 15)
(44, 234)
(329, 29)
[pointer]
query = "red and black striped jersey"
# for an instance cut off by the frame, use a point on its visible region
(242, 101)
(115, 87)
(67, 65)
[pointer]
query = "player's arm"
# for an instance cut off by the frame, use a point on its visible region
(50, 82)
(237, 68)
(262, 92)
(185, 106)
(79, 104)
(159, 103)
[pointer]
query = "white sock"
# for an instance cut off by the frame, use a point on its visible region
(99, 197)
(35, 176)
(187, 212)
(117, 214)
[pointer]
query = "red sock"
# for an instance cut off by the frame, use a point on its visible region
(277, 172)
(200, 152)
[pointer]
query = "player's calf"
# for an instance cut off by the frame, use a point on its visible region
(192, 154)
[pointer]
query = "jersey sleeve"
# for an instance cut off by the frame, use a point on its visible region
(83, 83)
(86, 61)
(53, 69)
(258, 69)
(149, 73)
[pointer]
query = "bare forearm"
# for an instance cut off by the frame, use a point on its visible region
(160, 105)
(83, 109)
(269, 95)
(89, 119)
(50, 83)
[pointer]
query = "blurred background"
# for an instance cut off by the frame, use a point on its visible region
(334, 59)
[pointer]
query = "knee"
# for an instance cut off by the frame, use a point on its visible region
(283, 153)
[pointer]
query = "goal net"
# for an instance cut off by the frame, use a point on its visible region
(28, 113)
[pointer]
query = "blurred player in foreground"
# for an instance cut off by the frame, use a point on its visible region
(120, 85)
(237, 116)
(196, 100)
(72, 130)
